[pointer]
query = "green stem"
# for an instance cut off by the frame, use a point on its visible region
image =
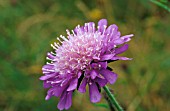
(112, 99)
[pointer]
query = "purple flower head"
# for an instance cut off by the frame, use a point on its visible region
(82, 60)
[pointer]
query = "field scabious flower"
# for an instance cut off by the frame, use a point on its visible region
(82, 60)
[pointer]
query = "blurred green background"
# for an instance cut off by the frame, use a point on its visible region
(27, 27)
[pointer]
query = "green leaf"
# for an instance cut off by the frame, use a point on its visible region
(102, 105)
(161, 4)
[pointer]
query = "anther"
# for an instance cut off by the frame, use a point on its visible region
(53, 46)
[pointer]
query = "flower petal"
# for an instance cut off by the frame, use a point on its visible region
(91, 27)
(59, 90)
(62, 102)
(127, 38)
(50, 56)
(121, 58)
(49, 93)
(102, 24)
(65, 81)
(48, 97)
(93, 74)
(111, 30)
(48, 66)
(82, 87)
(68, 100)
(45, 77)
(106, 57)
(103, 64)
(79, 74)
(119, 41)
(101, 81)
(109, 75)
(46, 85)
(123, 39)
(94, 93)
(121, 49)
(73, 85)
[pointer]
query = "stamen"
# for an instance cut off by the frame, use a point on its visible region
(73, 32)
(68, 32)
(104, 29)
(48, 58)
(48, 63)
(64, 38)
(52, 53)
(53, 47)
(59, 39)
(48, 70)
(93, 27)
(57, 45)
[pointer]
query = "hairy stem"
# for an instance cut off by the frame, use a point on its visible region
(112, 99)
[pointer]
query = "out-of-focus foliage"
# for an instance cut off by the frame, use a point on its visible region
(27, 27)
(162, 3)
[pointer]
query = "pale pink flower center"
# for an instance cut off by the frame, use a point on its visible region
(76, 53)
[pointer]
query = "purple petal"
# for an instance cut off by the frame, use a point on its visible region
(127, 38)
(121, 58)
(46, 85)
(59, 90)
(109, 75)
(111, 30)
(101, 81)
(48, 66)
(62, 102)
(49, 93)
(91, 27)
(45, 77)
(94, 65)
(123, 39)
(50, 90)
(57, 80)
(79, 74)
(48, 97)
(79, 30)
(94, 93)
(103, 64)
(56, 91)
(65, 81)
(115, 35)
(82, 87)
(119, 41)
(102, 24)
(121, 49)
(73, 85)
(106, 57)
(93, 74)
(97, 58)
(49, 55)
(68, 100)
(76, 30)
